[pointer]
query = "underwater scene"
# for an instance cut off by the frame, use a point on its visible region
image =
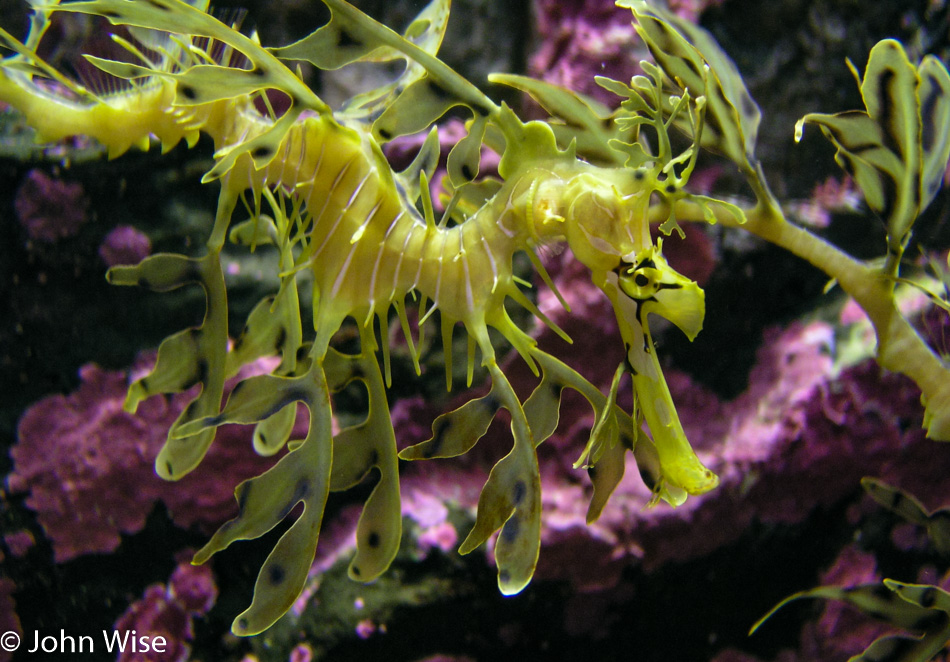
(448, 331)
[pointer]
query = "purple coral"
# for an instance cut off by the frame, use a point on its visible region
(165, 613)
(88, 466)
(583, 38)
(124, 245)
(50, 208)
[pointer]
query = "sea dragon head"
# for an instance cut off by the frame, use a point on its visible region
(631, 270)
(642, 284)
(608, 225)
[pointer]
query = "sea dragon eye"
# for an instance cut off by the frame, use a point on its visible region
(641, 281)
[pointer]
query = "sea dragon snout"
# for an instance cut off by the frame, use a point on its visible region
(642, 284)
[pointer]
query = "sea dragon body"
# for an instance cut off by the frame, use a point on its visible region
(317, 186)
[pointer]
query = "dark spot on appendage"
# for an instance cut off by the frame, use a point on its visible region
(440, 427)
(929, 597)
(626, 441)
(874, 613)
(201, 371)
(385, 134)
(860, 148)
(647, 479)
(879, 591)
(504, 576)
(243, 494)
(894, 499)
(517, 494)
(713, 125)
(143, 282)
(511, 529)
(168, 469)
(373, 540)
(261, 152)
(260, 72)
(671, 188)
(346, 40)
(492, 404)
(928, 121)
(641, 280)
(467, 172)
(294, 395)
(260, 435)
(188, 92)
(356, 571)
(692, 66)
(157, 5)
(889, 187)
(242, 624)
(281, 339)
(438, 91)
(302, 489)
(276, 574)
(237, 388)
(374, 458)
(189, 414)
(935, 620)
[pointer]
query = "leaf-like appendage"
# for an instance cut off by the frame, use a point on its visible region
(897, 149)
(693, 61)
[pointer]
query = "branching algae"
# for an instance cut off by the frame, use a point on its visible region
(314, 183)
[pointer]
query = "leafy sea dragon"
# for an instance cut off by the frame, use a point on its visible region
(315, 184)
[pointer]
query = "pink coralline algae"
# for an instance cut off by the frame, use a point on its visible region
(88, 466)
(167, 611)
(834, 195)
(583, 38)
(50, 208)
(124, 245)
(18, 542)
